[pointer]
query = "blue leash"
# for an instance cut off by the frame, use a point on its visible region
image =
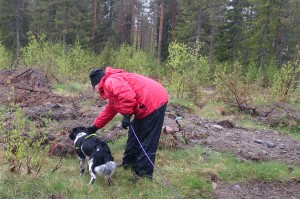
(179, 196)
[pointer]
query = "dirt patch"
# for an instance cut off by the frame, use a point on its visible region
(26, 87)
(266, 190)
(279, 114)
(225, 136)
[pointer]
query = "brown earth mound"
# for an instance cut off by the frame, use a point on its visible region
(266, 190)
(26, 87)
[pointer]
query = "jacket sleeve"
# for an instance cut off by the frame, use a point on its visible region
(123, 93)
(105, 116)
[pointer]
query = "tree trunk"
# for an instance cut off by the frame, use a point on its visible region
(94, 23)
(64, 28)
(198, 23)
(18, 27)
(133, 22)
(161, 21)
(141, 31)
(213, 22)
(121, 22)
(173, 18)
(111, 17)
(137, 34)
(277, 36)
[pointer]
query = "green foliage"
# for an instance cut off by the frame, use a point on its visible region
(232, 86)
(76, 61)
(40, 54)
(23, 143)
(186, 70)
(268, 74)
(252, 73)
(5, 57)
(134, 60)
(107, 55)
(284, 81)
(13, 19)
(55, 60)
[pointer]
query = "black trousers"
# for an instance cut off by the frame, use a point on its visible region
(148, 131)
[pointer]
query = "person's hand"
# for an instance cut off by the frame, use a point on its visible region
(125, 121)
(92, 129)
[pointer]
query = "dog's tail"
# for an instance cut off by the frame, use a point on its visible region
(106, 169)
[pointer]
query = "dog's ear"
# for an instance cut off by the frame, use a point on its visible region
(71, 135)
(73, 132)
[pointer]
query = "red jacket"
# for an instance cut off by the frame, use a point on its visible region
(128, 94)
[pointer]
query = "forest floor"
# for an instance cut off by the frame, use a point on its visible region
(36, 99)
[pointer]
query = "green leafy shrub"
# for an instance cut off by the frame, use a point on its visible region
(41, 54)
(186, 70)
(284, 81)
(134, 60)
(24, 149)
(232, 86)
(5, 57)
(75, 61)
(57, 61)
(268, 74)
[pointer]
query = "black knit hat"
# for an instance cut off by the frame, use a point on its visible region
(96, 75)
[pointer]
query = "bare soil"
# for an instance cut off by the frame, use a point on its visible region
(182, 129)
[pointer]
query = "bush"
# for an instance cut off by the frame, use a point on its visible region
(57, 61)
(232, 86)
(75, 61)
(134, 60)
(41, 55)
(23, 143)
(5, 58)
(186, 71)
(284, 80)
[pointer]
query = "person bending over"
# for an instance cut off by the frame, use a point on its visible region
(137, 96)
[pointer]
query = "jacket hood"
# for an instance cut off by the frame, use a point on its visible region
(108, 72)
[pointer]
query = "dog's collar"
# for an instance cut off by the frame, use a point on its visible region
(89, 136)
(81, 135)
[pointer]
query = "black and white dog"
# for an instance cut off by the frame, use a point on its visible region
(100, 161)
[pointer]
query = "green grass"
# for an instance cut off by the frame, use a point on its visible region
(241, 171)
(71, 88)
(188, 171)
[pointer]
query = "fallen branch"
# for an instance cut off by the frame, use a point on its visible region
(58, 165)
(27, 88)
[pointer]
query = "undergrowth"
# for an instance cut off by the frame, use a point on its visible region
(188, 171)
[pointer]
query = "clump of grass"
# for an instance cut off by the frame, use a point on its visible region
(235, 170)
(247, 121)
(215, 110)
(70, 88)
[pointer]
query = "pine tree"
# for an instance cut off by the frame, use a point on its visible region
(230, 33)
(14, 24)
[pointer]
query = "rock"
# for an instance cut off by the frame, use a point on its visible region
(217, 127)
(266, 143)
(214, 185)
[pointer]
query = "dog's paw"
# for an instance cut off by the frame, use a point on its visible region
(91, 181)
